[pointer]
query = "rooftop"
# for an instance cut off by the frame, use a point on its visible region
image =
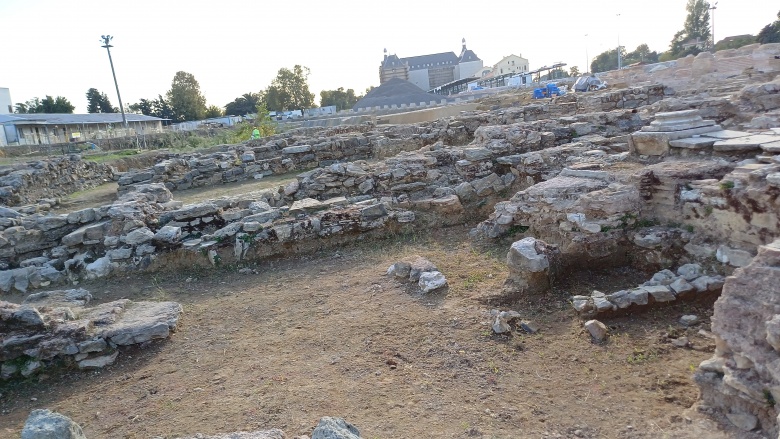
(66, 119)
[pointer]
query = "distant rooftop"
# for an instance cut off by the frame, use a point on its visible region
(67, 119)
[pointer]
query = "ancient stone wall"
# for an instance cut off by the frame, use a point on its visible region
(28, 182)
(742, 379)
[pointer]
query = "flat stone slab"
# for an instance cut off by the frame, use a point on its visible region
(307, 205)
(677, 126)
(727, 134)
(693, 143)
(748, 143)
(771, 146)
(657, 143)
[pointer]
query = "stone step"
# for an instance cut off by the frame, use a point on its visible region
(742, 144)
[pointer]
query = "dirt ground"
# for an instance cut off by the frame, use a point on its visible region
(106, 193)
(329, 334)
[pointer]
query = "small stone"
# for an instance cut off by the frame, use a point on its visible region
(432, 280)
(596, 329)
(689, 320)
(45, 424)
(529, 327)
(743, 421)
(689, 271)
(680, 342)
(681, 286)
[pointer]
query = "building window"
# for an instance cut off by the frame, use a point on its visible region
(513, 62)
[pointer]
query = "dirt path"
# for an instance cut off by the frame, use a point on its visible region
(106, 193)
(330, 335)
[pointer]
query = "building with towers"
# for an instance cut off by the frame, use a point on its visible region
(431, 71)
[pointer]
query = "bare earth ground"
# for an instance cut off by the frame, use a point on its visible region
(106, 193)
(330, 335)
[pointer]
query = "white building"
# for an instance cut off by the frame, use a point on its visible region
(6, 106)
(510, 64)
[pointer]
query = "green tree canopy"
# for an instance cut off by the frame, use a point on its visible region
(607, 60)
(213, 111)
(45, 105)
(98, 102)
(341, 99)
(770, 33)
(244, 104)
(159, 107)
(290, 90)
(696, 28)
(185, 98)
(574, 71)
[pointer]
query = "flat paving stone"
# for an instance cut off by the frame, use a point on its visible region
(771, 146)
(748, 143)
(727, 134)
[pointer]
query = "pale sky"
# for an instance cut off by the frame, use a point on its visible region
(53, 46)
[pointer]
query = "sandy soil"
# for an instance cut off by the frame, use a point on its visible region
(330, 335)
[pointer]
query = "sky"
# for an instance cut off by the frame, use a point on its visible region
(53, 47)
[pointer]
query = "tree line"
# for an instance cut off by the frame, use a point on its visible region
(693, 38)
(184, 101)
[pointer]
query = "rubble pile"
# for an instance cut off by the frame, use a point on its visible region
(61, 326)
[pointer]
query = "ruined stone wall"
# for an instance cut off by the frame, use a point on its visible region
(742, 379)
(703, 68)
(28, 182)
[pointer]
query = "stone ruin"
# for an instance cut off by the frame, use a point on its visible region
(679, 181)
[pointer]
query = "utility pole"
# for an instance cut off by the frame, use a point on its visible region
(587, 58)
(618, 49)
(712, 8)
(106, 40)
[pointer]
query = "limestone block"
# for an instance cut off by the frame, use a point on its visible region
(596, 329)
(660, 293)
(45, 424)
(138, 236)
(168, 235)
(734, 257)
(335, 428)
(638, 296)
(431, 281)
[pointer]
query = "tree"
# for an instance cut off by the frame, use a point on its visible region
(574, 71)
(98, 102)
(213, 111)
(607, 60)
(244, 104)
(144, 106)
(162, 108)
(185, 98)
(695, 29)
(642, 54)
(770, 33)
(735, 42)
(45, 105)
(290, 90)
(340, 98)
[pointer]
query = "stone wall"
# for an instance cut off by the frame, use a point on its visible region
(28, 182)
(742, 379)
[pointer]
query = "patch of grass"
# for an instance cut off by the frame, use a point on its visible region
(102, 158)
(640, 356)
(516, 228)
(708, 210)
(726, 185)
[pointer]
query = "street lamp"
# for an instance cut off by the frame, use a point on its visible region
(712, 8)
(106, 40)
